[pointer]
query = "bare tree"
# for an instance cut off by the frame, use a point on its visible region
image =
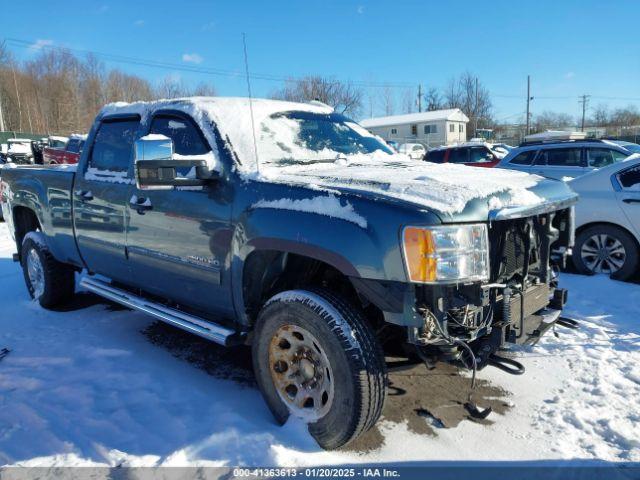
(433, 100)
(469, 94)
(388, 100)
(552, 120)
(344, 97)
(204, 90)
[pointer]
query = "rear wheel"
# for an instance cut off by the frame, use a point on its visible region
(316, 358)
(48, 281)
(605, 249)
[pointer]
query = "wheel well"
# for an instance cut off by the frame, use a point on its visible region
(24, 221)
(268, 272)
(581, 228)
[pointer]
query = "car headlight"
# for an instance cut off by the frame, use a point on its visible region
(445, 254)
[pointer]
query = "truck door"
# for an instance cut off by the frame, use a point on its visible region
(179, 241)
(101, 195)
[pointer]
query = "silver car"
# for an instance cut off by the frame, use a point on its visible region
(564, 160)
(608, 220)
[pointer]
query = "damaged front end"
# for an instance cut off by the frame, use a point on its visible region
(516, 301)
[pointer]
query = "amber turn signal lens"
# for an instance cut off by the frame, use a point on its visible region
(419, 249)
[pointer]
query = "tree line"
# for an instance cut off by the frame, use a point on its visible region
(59, 93)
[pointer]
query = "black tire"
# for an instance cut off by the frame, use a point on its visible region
(354, 354)
(59, 280)
(630, 264)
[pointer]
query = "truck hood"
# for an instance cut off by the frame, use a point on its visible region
(456, 193)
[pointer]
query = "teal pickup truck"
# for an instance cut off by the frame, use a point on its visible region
(290, 228)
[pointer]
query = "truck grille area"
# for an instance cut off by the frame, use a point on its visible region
(507, 246)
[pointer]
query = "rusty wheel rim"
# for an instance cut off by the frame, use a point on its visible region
(301, 372)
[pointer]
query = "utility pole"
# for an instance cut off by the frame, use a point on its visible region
(419, 97)
(475, 131)
(584, 99)
(529, 98)
(2, 129)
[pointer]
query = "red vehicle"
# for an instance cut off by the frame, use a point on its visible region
(67, 154)
(474, 154)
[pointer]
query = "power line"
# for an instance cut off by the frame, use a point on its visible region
(187, 68)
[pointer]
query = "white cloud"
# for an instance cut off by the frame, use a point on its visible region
(360, 9)
(39, 44)
(192, 58)
(139, 23)
(569, 75)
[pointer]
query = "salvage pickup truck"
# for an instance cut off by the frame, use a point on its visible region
(290, 228)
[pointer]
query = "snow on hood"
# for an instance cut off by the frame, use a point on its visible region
(445, 188)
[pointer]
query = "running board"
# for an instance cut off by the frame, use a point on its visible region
(190, 323)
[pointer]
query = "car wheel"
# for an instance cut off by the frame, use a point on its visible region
(606, 249)
(316, 358)
(50, 282)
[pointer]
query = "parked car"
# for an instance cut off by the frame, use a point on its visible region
(608, 220)
(563, 159)
(248, 246)
(630, 146)
(19, 151)
(414, 151)
(393, 144)
(474, 154)
(68, 154)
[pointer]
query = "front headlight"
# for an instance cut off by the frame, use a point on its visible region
(446, 254)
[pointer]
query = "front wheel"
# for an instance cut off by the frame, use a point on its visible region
(50, 282)
(605, 249)
(316, 358)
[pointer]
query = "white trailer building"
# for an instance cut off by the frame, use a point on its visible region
(432, 129)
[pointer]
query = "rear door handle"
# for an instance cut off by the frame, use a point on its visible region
(84, 195)
(140, 204)
(631, 200)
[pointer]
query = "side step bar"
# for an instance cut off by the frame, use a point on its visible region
(190, 323)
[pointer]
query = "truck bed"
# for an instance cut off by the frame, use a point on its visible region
(47, 191)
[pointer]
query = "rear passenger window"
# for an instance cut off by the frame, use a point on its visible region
(600, 157)
(630, 178)
(435, 156)
(562, 157)
(187, 139)
(458, 155)
(113, 146)
(524, 158)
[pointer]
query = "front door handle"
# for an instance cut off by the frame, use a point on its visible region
(85, 195)
(631, 200)
(140, 204)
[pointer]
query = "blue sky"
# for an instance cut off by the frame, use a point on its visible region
(568, 47)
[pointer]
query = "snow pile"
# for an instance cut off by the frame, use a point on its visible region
(85, 387)
(329, 206)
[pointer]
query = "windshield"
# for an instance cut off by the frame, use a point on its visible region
(632, 147)
(304, 137)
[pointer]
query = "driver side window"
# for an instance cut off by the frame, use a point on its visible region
(187, 138)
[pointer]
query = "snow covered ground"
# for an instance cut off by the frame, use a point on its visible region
(86, 387)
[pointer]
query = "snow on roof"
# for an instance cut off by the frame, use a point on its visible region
(232, 116)
(58, 138)
(555, 135)
(18, 140)
(450, 114)
(80, 136)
